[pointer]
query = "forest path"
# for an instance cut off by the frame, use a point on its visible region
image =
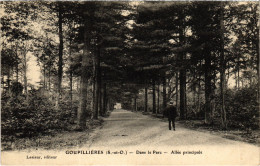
(132, 138)
(134, 133)
(130, 129)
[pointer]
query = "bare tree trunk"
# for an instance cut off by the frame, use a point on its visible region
(100, 98)
(258, 54)
(158, 99)
(71, 95)
(238, 80)
(44, 75)
(93, 94)
(104, 98)
(182, 78)
(238, 74)
(145, 99)
(49, 81)
(169, 89)
(101, 101)
(60, 62)
(78, 83)
(71, 90)
(70, 74)
(25, 72)
(154, 98)
(164, 93)
(135, 104)
(194, 96)
(199, 92)
(109, 104)
(8, 80)
(194, 91)
(208, 88)
(182, 93)
(82, 111)
(213, 99)
(17, 64)
(96, 72)
(222, 72)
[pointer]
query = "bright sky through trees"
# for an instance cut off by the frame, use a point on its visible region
(34, 72)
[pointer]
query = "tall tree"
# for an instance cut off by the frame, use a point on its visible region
(88, 22)
(60, 62)
(222, 69)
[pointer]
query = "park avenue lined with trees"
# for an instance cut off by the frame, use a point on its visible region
(204, 56)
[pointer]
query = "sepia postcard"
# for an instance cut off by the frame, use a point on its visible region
(130, 82)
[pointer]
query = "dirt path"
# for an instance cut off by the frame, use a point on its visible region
(127, 129)
(141, 133)
(129, 138)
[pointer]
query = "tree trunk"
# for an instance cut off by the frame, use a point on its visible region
(101, 102)
(104, 98)
(158, 100)
(17, 64)
(154, 98)
(145, 99)
(78, 84)
(164, 93)
(170, 90)
(44, 75)
(100, 88)
(25, 72)
(97, 80)
(93, 93)
(199, 92)
(8, 79)
(82, 112)
(208, 89)
(222, 72)
(49, 81)
(60, 62)
(95, 96)
(194, 91)
(258, 54)
(100, 99)
(183, 68)
(236, 80)
(70, 75)
(104, 108)
(242, 83)
(135, 104)
(238, 76)
(177, 90)
(213, 86)
(238, 73)
(182, 91)
(109, 104)
(71, 93)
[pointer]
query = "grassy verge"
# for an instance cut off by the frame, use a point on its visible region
(249, 136)
(54, 139)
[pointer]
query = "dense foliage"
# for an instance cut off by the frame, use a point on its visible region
(32, 115)
(242, 108)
